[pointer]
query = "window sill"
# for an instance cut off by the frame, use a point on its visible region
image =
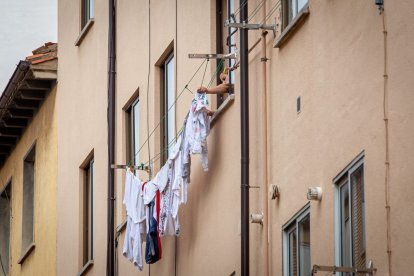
(84, 31)
(223, 107)
(121, 227)
(26, 253)
(85, 268)
(293, 25)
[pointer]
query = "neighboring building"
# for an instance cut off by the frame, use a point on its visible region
(339, 112)
(28, 166)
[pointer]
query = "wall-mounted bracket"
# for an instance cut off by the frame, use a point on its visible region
(214, 56)
(244, 25)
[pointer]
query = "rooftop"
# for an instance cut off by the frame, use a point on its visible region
(24, 94)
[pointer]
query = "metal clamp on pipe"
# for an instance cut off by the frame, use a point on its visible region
(257, 218)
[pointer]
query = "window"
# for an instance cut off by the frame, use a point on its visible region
(87, 213)
(350, 217)
(225, 40)
(168, 107)
(291, 8)
(296, 244)
(29, 168)
(87, 12)
(5, 221)
(133, 132)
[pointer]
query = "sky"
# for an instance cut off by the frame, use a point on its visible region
(24, 26)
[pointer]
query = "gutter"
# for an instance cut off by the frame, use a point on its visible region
(244, 127)
(110, 257)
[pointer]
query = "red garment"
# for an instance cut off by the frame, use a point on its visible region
(158, 210)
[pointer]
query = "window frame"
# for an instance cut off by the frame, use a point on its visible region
(221, 43)
(8, 186)
(165, 105)
(293, 226)
(132, 146)
(87, 12)
(87, 213)
(342, 179)
(287, 11)
(26, 249)
(85, 22)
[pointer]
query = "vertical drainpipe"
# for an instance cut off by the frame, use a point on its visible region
(110, 253)
(265, 206)
(244, 126)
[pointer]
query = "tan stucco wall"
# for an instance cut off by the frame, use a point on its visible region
(334, 61)
(42, 130)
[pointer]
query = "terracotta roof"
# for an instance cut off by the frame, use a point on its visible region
(44, 53)
(24, 94)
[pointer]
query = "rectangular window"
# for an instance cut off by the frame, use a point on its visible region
(291, 8)
(296, 245)
(87, 11)
(225, 41)
(350, 217)
(5, 223)
(29, 168)
(87, 210)
(168, 107)
(133, 132)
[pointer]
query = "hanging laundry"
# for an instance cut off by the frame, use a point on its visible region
(150, 190)
(135, 208)
(153, 248)
(161, 179)
(197, 129)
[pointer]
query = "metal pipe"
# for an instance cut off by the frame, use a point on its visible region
(265, 202)
(244, 127)
(110, 257)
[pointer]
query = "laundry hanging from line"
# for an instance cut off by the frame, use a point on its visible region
(153, 206)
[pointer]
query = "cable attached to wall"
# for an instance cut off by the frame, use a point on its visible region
(387, 149)
(148, 80)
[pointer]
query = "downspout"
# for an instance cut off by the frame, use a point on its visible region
(110, 257)
(244, 127)
(387, 145)
(265, 202)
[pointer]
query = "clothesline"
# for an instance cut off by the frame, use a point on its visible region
(154, 205)
(218, 68)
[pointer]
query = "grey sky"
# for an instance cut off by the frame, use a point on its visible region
(24, 26)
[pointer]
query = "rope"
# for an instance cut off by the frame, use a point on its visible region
(254, 12)
(172, 143)
(205, 69)
(148, 80)
(272, 10)
(163, 118)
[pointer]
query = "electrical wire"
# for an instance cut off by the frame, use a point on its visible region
(148, 79)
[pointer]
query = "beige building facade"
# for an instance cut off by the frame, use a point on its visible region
(28, 171)
(338, 111)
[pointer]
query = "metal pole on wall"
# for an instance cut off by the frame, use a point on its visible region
(110, 257)
(244, 126)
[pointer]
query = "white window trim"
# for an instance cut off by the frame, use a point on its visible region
(352, 167)
(302, 213)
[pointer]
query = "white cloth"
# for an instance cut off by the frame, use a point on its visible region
(132, 248)
(161, 179)
(196, 130)
(150, 189)
(135, 208)
(171, 197)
